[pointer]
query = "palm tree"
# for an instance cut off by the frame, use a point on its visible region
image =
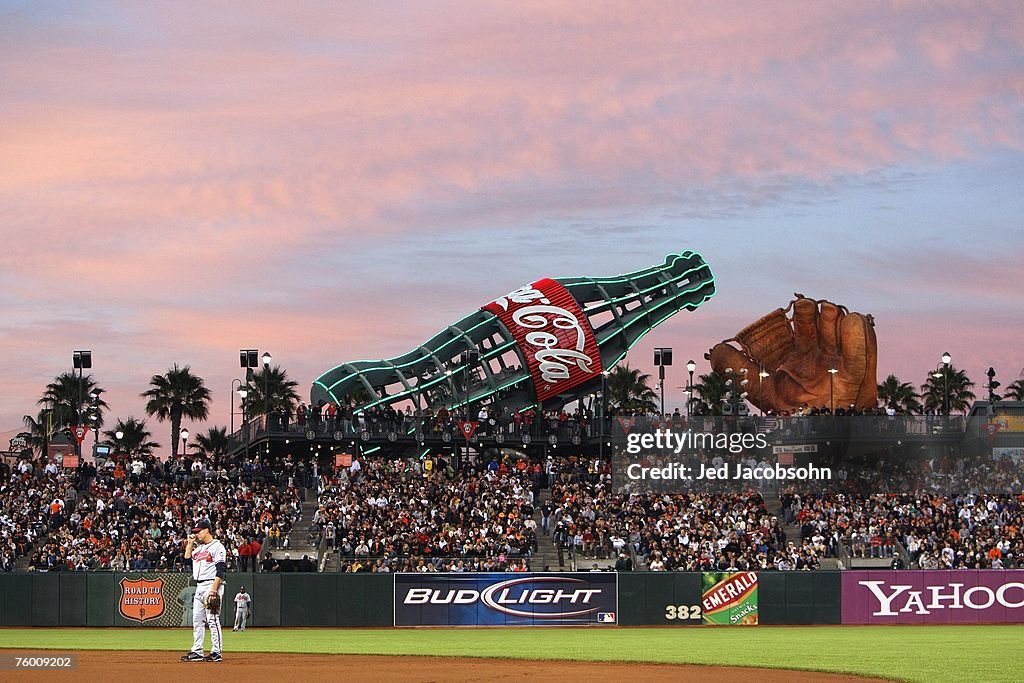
(40, 429)
(900, 396)
(280, 390)
(175, 395)
(628, 389)
(135, 438)
(69, 397)
(1015, 391)
(214, 442)
(712, 390)
(934, 389)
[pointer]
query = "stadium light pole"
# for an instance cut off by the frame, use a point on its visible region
(236, 385)
(763, 375)
(243, 392)
(831, 390)
(184, 441)
(80, 360)
(266, 385)
(604, 411)
(691, 365)
(946, 360)
(662, 357)
(95, 418)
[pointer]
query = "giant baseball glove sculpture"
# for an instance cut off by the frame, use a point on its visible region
(797, 355)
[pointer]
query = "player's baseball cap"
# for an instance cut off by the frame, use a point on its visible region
(200, 525)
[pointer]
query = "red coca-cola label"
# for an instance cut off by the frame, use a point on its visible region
(553, 335)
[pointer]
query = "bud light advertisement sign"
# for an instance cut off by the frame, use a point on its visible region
(961, 596)
(506, 599)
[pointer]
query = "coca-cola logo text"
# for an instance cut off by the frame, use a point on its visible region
(554, 362)
(553, 334)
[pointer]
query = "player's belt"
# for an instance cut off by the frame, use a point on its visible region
(194, 582)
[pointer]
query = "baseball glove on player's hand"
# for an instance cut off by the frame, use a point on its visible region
(213, 604)
(797, 355)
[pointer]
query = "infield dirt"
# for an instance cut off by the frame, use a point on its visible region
(106, 666)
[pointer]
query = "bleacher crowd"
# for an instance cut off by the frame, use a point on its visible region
(432, 514)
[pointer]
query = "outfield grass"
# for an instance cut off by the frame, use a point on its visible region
(912, 653)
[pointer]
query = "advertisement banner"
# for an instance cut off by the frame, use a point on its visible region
(730, 598)
(961, 596)
(506, 599)
(1008, 423)
(163, 599)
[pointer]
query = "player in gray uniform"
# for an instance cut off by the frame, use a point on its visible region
(242, 601)
(209, 563)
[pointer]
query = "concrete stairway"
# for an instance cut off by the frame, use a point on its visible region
(774, 505)
(298, 539)
(547, 553)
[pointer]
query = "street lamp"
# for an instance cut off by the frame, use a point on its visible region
(691, 365)
(946, 360)
(184, 441)
(831, 390)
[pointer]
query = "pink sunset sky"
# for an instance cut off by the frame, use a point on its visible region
(338, 181)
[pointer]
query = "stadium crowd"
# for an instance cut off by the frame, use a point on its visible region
(135, 515)
(954, 515)
(423, 515)
(430, 515)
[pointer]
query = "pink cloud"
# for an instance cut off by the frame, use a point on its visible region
(166, 173)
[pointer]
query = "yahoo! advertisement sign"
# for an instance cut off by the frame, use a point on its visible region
(505, 599)
(963, 596)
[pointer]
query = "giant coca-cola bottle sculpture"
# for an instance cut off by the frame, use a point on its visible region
(546, 342)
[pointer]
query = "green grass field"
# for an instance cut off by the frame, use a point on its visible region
(912, 653)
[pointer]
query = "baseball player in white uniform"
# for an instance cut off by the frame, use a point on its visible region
(209, 563)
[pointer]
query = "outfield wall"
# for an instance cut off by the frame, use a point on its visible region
(626, 598)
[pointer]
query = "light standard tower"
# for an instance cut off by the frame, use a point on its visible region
(662, 357)
(94, 418)
(184, 441)
(946, 360)
(831, 390)
(737, 382)
(604, 411)
(266, 385)
(243, 392)
(762, 375)
(80, 360)
(691, 365)
(118, 435)
(236, 385)
(992, 386)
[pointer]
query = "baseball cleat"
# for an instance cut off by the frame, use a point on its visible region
(193, 657)
(213, 657)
